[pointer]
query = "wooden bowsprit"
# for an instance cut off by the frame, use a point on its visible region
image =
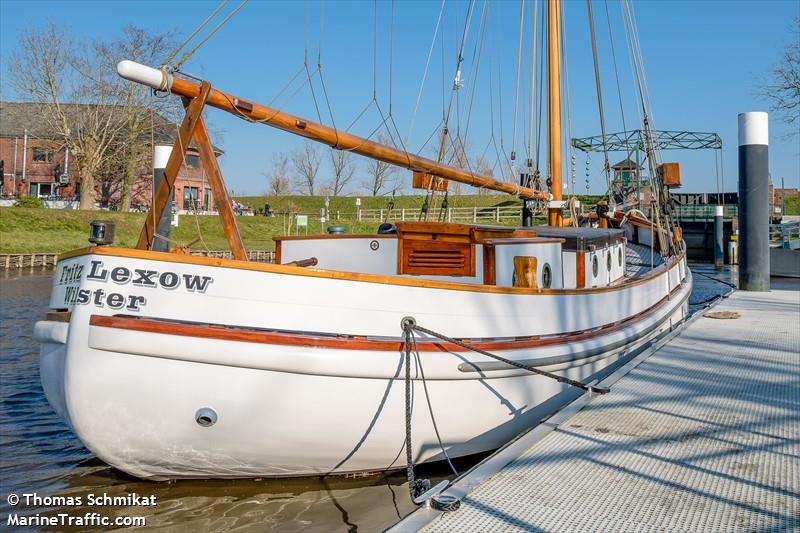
(193, 127)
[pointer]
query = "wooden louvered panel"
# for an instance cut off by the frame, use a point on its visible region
(436, 257)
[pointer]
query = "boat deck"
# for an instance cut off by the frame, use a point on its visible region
(702, 435)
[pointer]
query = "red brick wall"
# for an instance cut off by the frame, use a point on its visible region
(45, 173)
(35, 172)
(780, 194)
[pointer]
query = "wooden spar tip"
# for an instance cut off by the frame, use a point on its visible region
(161, 80)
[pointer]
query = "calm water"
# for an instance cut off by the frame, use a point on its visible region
(39, 454)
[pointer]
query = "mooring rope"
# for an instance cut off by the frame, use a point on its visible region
(410, 324)
(417, 487)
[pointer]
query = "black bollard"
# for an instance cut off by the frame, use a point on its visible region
(753, 201)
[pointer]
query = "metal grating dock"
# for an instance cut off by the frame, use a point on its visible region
(702, 436)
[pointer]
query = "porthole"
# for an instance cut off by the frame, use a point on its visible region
(547, 276)
(594, 266)
(608, 261)
(619, 256)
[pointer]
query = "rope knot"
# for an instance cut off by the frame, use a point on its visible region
(418, 487)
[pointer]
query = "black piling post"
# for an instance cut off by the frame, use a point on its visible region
(753, 201)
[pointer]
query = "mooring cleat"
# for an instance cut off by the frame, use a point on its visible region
(425, 497)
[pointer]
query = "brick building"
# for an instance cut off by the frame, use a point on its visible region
(777, 195)
(35, 162)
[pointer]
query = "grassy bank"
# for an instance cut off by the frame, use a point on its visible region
(48, 230)
(347, 204)
(26, 230)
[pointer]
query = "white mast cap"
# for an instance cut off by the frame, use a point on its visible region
(154, 78)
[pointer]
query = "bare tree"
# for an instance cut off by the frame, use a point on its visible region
(138, 106)
(483, 168)
(343, 166)
(306, 161)
(51, 69)
(278, 176)
(784, 90)
(381, 175)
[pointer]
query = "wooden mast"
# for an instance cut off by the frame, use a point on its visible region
(554, 217)
(317, 132)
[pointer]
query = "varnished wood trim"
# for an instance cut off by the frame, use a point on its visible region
(525, 267)
(218, 189)
(222, 332)
(194, 111)
(343, 140)
(333, 237)
(440, 228)
(527, 240)
(580, 270)
(435, 257)
(489, 264)
(58, 316)
(133, 253)
(77, 252)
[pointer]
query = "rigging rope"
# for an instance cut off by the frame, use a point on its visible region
(619, 89)
(516, 84)
(565, 103)
(191, 52)
(606, 164)
(477, 53)
(425, 72)
(430, 407)
(202, 25)
(534, 63)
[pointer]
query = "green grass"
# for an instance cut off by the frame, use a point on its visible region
(347, 204)
(27, 230)
(792, 206)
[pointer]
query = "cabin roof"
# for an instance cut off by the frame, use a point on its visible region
(626, 164)
(579, 239)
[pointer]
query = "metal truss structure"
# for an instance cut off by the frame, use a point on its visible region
(634, 140)
(631, 187)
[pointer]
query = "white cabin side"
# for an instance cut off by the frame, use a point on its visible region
(572, 258)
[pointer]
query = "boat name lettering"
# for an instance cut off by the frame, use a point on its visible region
(148, 278)
(137, 277)
(70, 274)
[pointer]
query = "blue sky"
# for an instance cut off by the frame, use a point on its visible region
(704, 63)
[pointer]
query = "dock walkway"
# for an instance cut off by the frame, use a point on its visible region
(704, 435)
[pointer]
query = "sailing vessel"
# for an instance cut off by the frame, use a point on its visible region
(167, 365)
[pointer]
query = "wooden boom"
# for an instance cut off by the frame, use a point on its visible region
(334, 138)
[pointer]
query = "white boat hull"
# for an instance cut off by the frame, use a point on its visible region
(132, 395)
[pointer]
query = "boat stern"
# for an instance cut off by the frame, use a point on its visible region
(52, 338)
(52, 333)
